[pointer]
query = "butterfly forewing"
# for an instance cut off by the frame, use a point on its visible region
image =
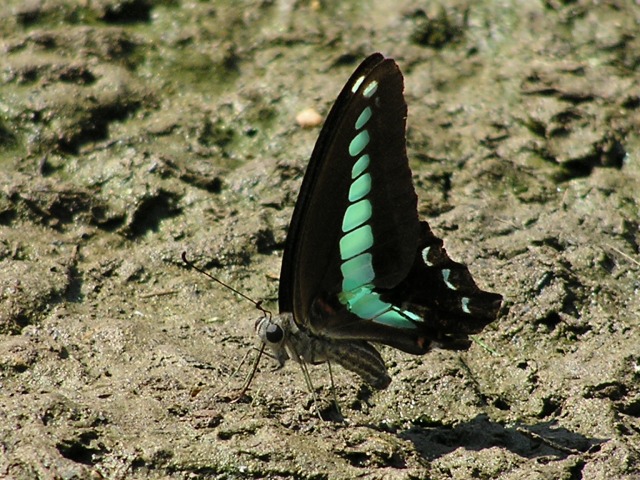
(367, 120)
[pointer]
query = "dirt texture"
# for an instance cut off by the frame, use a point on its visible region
(132, 130)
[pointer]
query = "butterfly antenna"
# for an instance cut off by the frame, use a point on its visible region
(257, 303)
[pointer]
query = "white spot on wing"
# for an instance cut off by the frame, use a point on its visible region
(371, 89)
(356, 84)
(465, 305)
(445, 277)
(425, 256)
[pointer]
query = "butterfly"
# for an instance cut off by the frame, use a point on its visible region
(359, 267)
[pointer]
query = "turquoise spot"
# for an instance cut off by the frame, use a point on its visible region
(445, 277)
(363, 118)
(359, 143)
(357, 272)
(425, 257)
(369, 306)
(356, 215)
(360, 187)
(356, 242)
(465, 305)
(397, 318)
(360, 166)
(357, 84)
(371, 89)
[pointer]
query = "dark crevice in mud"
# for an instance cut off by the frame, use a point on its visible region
(572, 97)
(36, 75)
(209, 181)
(80, 450)
(347, 59)
(73, 293)
(536, 127)
(66, 206)
(501, 404)
(7, 138)
(576, 470)
(613, 153)
(436, 30)
(151, 211)
(44, 166)
(578, 168)
(96, 127)
(15, 324)
(211, 185)
(631, 103)
(265, 242)
(551, 321)
(51, 208)
(551, 406)
(549, 241)
(611, 390)
(100, 218)
(127, 12)
(631, 408)
(77, 74)
(609, 153)
(7, 215)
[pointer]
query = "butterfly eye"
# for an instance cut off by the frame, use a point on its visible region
(274, 333)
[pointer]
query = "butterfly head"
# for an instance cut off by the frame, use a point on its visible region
(274, 332)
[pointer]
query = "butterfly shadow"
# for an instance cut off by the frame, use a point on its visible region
(530, 441)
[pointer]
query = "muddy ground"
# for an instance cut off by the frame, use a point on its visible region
(133, 130)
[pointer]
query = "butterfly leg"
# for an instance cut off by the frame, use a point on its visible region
(333, 392)
(307, 377)
(247, 381)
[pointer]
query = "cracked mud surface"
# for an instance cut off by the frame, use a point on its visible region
(131, 131)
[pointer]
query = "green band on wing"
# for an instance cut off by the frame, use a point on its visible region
(369, 306)
(357, 272)
(357, 267)
(356, 242)
(360, 188)
(363, 118)
(370, 89)
(360, 166)
(356, 214)
(366, 304)
(359, 143)
(397, 318)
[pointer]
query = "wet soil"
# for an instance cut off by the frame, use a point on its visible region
(131, 131)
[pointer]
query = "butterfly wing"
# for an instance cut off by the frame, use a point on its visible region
(354, 264)
(311, 261)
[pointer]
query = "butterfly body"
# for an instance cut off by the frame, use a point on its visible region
(291, 342)
(359, 266)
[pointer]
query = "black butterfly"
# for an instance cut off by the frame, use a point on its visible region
(359, 266)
